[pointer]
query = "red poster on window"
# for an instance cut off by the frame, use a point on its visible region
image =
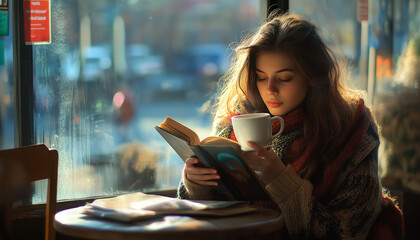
(362, 10)
(36, 19)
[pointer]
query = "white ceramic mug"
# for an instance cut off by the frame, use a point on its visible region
(255, 127)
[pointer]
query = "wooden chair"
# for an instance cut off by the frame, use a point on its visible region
(18, 168)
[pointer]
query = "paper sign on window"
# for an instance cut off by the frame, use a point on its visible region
(362, 10)
(37, 21)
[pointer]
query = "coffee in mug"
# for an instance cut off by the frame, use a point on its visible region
(255, 127)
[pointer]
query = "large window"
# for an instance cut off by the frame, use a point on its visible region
(383, 53)
(114, 70)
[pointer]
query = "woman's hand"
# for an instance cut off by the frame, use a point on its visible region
(264, 161)
(200, 175)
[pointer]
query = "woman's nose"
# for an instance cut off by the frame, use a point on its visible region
(272, 87)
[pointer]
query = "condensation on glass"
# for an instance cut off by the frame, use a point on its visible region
(114, 70)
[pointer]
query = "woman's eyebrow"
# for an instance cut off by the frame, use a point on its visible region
(278, 71)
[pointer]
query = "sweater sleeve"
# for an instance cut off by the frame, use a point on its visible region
(348, 214)
(294, 197)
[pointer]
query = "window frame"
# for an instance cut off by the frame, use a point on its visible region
(23, 80)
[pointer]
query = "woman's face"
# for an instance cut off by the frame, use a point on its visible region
(280, 84)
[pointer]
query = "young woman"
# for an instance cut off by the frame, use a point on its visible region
(321, 172)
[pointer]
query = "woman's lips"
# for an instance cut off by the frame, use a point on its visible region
(274, 104)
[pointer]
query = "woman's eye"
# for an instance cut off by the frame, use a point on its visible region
(261, 78)
(286, 80)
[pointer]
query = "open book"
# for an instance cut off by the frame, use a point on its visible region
(238, 181)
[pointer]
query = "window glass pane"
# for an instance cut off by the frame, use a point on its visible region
(388, 47)
(338, 25)
(6, 90)
(114, 70)
(397, 93)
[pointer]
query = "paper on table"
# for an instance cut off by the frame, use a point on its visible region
(137, 206)
(120, 215)
(166, 203)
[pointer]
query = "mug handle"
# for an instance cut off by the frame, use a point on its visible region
(281, 128)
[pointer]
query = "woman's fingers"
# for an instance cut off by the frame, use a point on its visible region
(263, 159)
(204, 179)
(206, 183)
(253, 161)
(260, 150)
(192, 168)
(191, 161)
(200, 171)
(200, 175)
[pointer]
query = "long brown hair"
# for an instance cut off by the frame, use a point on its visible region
(328, 101)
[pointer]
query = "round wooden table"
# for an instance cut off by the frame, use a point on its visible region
(73, 222)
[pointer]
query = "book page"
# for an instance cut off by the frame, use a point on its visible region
(180, 130)
(219, 141)
(180, 145)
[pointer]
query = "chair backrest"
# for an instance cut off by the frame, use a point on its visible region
(35, 162)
